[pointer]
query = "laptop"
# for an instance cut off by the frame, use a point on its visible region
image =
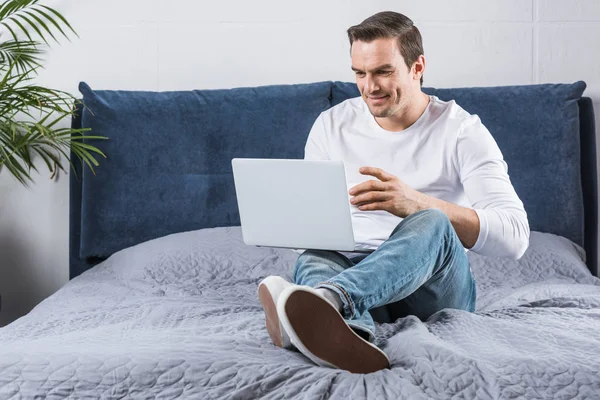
(297, 204)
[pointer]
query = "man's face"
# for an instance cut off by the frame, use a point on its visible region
(383, 79)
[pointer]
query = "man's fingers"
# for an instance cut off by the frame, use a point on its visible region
(368, 186)
(370, 197)
(379, 205)
(377, 173)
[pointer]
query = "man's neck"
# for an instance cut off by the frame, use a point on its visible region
(405, 118)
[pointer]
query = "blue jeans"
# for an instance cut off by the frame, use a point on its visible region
(422, 268)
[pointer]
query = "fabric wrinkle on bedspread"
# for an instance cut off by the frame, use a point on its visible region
(179, 316)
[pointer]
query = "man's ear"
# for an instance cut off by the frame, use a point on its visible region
(418, 68)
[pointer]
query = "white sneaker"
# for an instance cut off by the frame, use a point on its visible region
(319, 331)
(269, 290)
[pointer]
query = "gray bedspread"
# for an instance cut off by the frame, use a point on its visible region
(179, 316)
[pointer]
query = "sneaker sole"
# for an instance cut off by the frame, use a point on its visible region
(271, 318)
(323, 332)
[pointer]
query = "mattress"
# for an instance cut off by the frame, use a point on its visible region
(178, 317)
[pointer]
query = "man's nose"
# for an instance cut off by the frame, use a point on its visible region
(371, 84)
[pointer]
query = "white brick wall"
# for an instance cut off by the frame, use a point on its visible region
(194, 44)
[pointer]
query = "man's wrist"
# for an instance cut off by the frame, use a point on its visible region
(422, 202)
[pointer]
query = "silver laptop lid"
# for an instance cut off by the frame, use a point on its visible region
(296, 204)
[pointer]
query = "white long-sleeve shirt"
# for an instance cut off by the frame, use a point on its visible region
(447, 153)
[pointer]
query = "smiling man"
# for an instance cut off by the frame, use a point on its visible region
(427, 181)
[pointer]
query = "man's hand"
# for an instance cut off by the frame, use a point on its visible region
(387, 193)
(394, 196)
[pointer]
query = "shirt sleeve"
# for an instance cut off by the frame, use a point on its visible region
(503, 224)
(316, 146)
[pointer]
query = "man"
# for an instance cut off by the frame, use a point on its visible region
(438, 185)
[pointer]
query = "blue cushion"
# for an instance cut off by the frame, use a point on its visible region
(537, 129)
(343, 91)
(169, 156)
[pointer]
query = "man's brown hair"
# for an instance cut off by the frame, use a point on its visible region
(389, 24)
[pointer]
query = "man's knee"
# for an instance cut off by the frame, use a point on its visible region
(434, 216)
(327, 259)
(308, 258)
(431, 218)
(302, 260)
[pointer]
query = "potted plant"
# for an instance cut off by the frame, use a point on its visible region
(30, 115)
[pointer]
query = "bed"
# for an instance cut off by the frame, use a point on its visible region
(162, 301)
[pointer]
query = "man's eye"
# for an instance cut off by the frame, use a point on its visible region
(361, 74)
(385, 72)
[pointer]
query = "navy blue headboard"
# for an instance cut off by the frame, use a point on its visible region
(168, 168)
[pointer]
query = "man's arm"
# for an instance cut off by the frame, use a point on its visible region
(464, 220)
(504, 228)
(496, 225)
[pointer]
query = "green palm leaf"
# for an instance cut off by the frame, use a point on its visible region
(30, 115)
(24, 54)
